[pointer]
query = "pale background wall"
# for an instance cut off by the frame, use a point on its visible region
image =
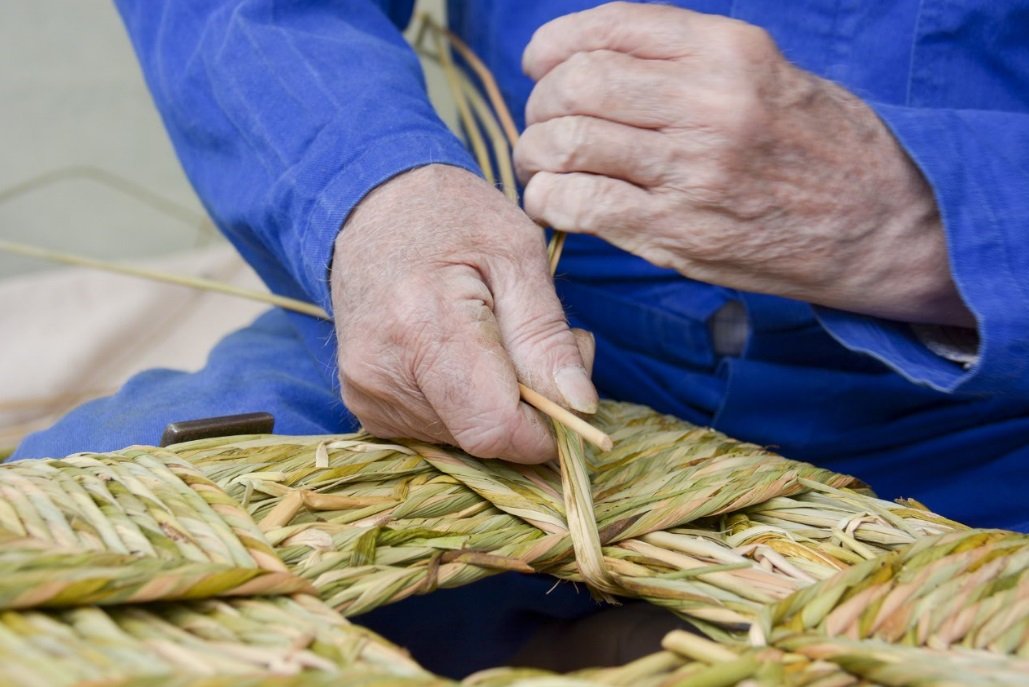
(85, 167)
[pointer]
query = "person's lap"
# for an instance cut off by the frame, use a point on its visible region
(262, 367)
(267, 367)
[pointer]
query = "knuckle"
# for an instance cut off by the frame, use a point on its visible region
(582, 211)
(527, 150)
(746, 44)
(403, 327)
(741, 118)
(572, 136)
(379, 429)
(569, 96)
(363, 405)
(368, 415)
(354, 359)
(533, 109)
(710, 241)
(580, 61)
(576, 80)
(727, 122)
(610, 17)
(710, 183)
(363, 382)
(739, 45)
(537, 194)
(553, 146)
(375, 356)
(755, 43)
(547, 334)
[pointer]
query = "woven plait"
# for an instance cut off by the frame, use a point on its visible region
(968, 589)
(371, 522)
(238, 638)
(797, 573)
(141, 525)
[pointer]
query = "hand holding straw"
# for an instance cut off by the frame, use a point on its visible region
(533, 398)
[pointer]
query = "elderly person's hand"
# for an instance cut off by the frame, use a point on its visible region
(442, 303)
(688, 139)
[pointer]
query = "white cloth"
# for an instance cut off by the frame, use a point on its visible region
(73, 334)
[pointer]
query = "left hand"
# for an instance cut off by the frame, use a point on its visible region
(689, 140)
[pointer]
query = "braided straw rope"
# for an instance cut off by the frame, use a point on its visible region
(143, 526)
(140, 526)
(127, 568)
(799, 574)
(370, 523)
(375, 523)
(964, 588)
(266, 637)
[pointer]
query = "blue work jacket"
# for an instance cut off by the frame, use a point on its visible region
(285, 114)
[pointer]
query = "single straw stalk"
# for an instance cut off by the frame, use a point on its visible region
(166, 277)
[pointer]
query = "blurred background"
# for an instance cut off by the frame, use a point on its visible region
(86, 168)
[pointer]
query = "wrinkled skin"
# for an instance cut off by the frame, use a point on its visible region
(443, 302)
(689, 140)
(684, 138)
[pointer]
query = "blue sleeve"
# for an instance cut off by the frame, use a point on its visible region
(977, 163)
(285, 115)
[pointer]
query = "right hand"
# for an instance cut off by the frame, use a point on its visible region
(443, 303)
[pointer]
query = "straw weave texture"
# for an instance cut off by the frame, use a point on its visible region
(230, 561)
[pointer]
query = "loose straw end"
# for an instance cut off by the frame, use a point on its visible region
(573, 422)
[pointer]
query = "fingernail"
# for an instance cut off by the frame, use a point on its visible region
(577, 389)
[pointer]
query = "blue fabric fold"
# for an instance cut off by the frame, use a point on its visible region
(977, 163)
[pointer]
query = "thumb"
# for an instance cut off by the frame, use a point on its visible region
(545, 352)
(587, 348)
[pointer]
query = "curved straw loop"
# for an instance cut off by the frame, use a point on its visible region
(258, 641)
(721, 532)
(141, 525)
(370, 523)
(967, 588)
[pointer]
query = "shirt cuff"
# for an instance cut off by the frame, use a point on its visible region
(977, 189)
(956, 344)
(894, 343)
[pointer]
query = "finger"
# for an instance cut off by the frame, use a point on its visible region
(646, 31)
(612, 86)
(596, 146)
(443, 375)
(589, 204)
(471, 384)
(587, 345)
(535, 333)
